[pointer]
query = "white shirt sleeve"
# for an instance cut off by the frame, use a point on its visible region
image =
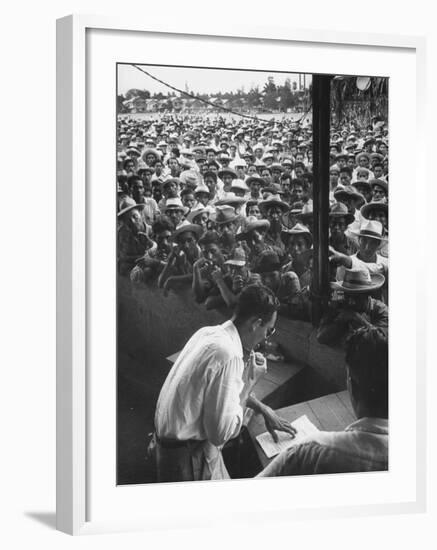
(223, 413)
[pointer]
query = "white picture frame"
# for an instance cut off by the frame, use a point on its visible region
(73, 299)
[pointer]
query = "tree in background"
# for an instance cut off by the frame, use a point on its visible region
(270, 93)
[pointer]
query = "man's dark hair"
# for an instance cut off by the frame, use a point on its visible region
(367, 360)
(162, 224)
(132, 179)
(301, 183)
(187, 191)
(255, 301)
(127, 161)
(346, 169)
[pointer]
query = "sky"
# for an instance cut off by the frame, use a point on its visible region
(208, 81)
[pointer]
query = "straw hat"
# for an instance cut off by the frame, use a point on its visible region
(238, 257)
(273, 200)
(339, 210)
(127, 205)
(371, 206)
(372, 229)
(185, 228)
(298, 230)
(359, 281)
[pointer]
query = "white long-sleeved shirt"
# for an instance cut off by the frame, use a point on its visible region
(200, 398)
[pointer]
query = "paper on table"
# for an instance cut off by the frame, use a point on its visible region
(304, 427)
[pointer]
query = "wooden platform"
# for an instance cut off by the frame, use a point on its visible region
(331, 412)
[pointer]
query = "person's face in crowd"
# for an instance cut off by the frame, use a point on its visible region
(150, 159)
(300, 157)
(297, 245)
(187, 243)
(268, 161)
(383, 149)
(379, 216)
(378, 193)
(157, 193)
(356, 302)
(378, 171)
(134, 221)
(251, 170)
(163, 243)
(310, 155)
(368, 248)
(188, 200)
(254, 189)
(333, 178)
(345, 178)
(213, 168)
(274, 214)
(158, 167)
(203, 198)
(171, 190)
(130, 167)
(299, 171)
(258, 153)
(173, 166)
(138, 190)
(210, 155)
(297, 192)
(211, 184)
(286, 186)
(364, 162)
(287, 168)
(175, 215)
(266, 176)
(232, 150)
(254, 211)
(227, 182)
(202, 220)
(362, 175)
(293, 150)
(227, 232)
(212, 253)
(276, 176)
(337, 227)
(341, 162)
(364, 191)
(351, 163)
(241, 172)
(147, 191)
(271, 279)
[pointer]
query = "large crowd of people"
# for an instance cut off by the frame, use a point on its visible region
(214, 204)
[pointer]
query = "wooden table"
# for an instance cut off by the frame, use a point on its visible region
(331, 412)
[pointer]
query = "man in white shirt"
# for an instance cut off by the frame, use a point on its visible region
(202, 402)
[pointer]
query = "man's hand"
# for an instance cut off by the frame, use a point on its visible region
(257, 366)
(216, 275)
(274, 422)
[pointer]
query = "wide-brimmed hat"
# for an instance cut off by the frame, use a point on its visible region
(209, 237)
(349, 192)
(362, 184)
(273, 189)
(298, 230)
(276, 166)
(375, 205)
(127, 205)
(185, 228)
(380, 183)
(231, 199)
(174, 204)
(372, 229)
(257, 179)
(251, 224)
(227, 171)
(359, 281)
(240, 185)
(238, 257)
(362, 155)
(225, 214)
(273, 200)
(202, 188)
(339, 210)
(151, 151)
(192, 215)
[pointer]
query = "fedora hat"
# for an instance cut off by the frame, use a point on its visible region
(238, 257)
(227, 172)
(174, 204)
(192, 215)
(225, 214)
(257, 179)
(251, 224)
(273, 200)
(380, 183)
(201, 188)
(349, 192)
(376, 205)
(231, 199)
(127, 205)
(359, 281)
(370, 228)
(240, 185)
(339, 210)
(151, 151)
(185, 228)
(298, 230)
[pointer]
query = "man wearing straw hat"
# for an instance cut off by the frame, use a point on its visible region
(357, 310)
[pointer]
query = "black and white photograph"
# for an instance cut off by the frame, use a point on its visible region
(252, 273)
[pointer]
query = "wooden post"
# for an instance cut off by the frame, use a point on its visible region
(321, 97)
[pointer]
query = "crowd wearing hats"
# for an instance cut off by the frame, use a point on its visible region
(213, 204)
